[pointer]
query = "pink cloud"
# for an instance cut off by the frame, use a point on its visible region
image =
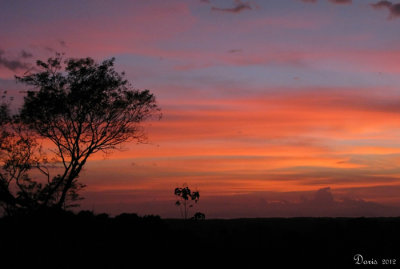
(361, 60)
(144, 25)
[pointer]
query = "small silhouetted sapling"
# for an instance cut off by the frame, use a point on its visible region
(186, 199)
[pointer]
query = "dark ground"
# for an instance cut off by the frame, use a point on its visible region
(129, 241)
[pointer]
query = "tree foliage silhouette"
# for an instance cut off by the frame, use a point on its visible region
(186, 196)
(82, 107)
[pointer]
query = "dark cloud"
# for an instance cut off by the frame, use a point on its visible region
(13, 65)
(320, 203)
(324, 196)
(382, 4)
(62, 43)
(235, 50)
(394, 9)
(49, 49)
(341, 1)
(56, 47)
(26, 55)
(332, 1)
(239, 7)
(324, 204)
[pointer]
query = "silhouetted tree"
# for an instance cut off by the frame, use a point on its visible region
(186, 196)
(82, 107)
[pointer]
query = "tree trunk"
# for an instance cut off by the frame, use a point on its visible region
(73, 175)
(185, 210)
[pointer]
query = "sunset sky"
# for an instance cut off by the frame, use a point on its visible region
(264, 102)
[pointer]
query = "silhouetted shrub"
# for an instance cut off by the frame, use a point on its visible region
(151, 218)
(102, 216)
(86, 214)
(199, 216)
(127, 217)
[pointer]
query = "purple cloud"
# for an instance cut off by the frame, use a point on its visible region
(239, 7)
(26, 54)
(341, 2)
(394, 9)
(12, 65)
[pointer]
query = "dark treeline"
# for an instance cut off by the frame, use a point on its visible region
(87, 240)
